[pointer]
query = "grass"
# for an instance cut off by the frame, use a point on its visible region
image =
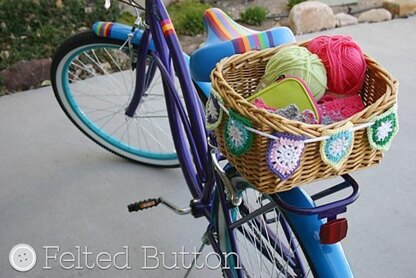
(187, 16)
(254, 15)
(32, 29)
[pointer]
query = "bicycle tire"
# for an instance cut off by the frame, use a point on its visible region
(89, 90)
(312, 260)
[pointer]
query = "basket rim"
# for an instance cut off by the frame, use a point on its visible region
(248, 109)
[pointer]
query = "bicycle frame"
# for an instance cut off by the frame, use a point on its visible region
(190, 136)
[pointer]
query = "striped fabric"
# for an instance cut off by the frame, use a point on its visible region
(103, 29)
(243, 39)
(257, 41)
(223, 26)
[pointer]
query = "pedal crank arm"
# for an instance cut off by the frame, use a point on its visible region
(151, 203)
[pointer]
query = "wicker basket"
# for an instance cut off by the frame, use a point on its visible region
(236, 78)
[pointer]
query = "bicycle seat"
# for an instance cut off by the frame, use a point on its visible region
(226, 37)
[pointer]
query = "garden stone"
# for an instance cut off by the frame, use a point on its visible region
(4, 54)
(375, 15)
(59, 4)
(106, 67)
(190, 48)
(191, 43)
(343, 19)
(3, 27)
(400, 8)
(83, 29)
(26, 74)
(311, 16)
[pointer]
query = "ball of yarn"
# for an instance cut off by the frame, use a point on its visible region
(344, 62)
(297, 61)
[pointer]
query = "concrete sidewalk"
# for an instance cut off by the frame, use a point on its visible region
(57, 188)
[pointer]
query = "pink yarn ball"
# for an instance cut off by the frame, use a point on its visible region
(344, 62)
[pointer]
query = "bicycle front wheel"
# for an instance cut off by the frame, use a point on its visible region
(93, 81)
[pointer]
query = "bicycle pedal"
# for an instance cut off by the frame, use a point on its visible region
(142, 205)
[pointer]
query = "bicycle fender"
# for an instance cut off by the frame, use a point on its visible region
(328, 260)
(119, 31)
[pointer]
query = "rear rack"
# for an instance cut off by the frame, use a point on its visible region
(329, 210)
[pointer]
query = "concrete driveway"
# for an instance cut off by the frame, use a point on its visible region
(59, 190)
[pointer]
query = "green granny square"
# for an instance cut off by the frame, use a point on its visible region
(237, 138)
(385, 127)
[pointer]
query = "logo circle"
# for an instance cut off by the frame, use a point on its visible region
(22, 257)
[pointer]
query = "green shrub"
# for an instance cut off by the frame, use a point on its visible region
(187, 16)
(254, 15)
(292, 3)
(127, 18)
(32, 29)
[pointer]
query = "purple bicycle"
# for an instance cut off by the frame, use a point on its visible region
(129, 89)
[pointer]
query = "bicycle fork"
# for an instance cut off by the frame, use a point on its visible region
(140, 85)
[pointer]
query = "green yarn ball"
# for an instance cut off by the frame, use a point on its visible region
(296, 61)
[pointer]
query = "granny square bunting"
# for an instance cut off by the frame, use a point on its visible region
(237, 138)
(385, 127)
(284, 154)
(336, 149)
(213, 111)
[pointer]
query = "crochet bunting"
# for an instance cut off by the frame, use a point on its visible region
(336, 149)
(385, 127)
(237, 138)
(213, 111)
(284, 154)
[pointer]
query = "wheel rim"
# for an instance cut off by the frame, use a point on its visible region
(146, 136)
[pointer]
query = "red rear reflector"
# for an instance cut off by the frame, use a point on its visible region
(333, 231)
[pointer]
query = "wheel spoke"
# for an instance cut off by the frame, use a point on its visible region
(265, 248)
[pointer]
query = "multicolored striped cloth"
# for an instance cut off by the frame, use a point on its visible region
(103, 29)
(222, 28)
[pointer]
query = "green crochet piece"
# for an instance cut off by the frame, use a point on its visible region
(237, 138)
(385, 127)
(336, 149)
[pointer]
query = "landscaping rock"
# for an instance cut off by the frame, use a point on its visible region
(343, 19)
(190, 48)
(26, 74)
(191, 43)
(311, 16)
(375, 15)
(59, 4)
(3, 27)
(4, 54)
(400, 8)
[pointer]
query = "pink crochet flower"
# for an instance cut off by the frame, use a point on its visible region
(338, 109)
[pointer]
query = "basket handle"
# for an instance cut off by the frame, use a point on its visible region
(330, 210)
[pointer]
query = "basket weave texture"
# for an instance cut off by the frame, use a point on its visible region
(236, 78)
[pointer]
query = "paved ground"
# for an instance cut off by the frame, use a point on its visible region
(59, 189)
